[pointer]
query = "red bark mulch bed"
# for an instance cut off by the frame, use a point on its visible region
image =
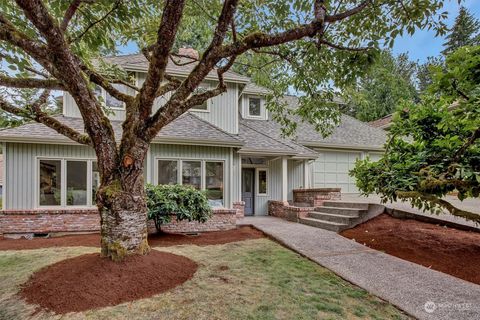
(155, 240)
(448, 250)
(89, 281)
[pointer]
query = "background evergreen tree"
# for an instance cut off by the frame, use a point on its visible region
(463, 33)
(389, 82)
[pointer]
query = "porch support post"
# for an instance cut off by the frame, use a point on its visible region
(306, 173)
(284, 179)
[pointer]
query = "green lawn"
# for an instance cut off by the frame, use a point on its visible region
(254, 279)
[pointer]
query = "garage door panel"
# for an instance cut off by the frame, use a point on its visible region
(342, 167)
(343, 178)
(330, 177)
(331, 170)
(330, 167)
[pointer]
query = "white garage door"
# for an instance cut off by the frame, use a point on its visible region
(331, 169)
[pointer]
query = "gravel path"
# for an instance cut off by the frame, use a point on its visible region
(411, 287)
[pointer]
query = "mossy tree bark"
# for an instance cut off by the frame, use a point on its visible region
(122, 206)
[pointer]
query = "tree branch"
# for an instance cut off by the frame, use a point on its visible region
(172, 14)
(70, 12)
(33, 83)
(340, 47)
(34, 113)
(93, 24)
(411, 195)
(348, 13)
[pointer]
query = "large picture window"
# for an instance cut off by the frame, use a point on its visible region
(205, 175)
(192, 174)
(95, 181)
(214, 182)
(50, 182)
(67, 182)
(76, 183)
(167, 172)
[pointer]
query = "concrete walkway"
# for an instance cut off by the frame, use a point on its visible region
(408, 286)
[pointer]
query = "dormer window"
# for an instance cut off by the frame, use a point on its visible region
(204, 106)
(254, 107)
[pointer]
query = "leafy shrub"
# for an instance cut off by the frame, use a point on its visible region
(185, 202)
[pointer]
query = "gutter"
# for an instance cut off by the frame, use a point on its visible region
(340, 146)
(43, 140)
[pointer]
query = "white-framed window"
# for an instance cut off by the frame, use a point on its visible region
(205, 175)
(205, 106)
(109, 101)
(254, 107)
(65, 182)
(167, 172)
(262, 181)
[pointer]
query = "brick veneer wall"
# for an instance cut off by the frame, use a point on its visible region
(240, 207)
(286, 211)
(46, 221)
(277, 208)
(316, 196)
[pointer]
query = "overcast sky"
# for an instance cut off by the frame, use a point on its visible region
(419, 46)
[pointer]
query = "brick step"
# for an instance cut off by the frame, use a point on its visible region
(327, 225)
(341, 211)
(338, 218)
(346, 204)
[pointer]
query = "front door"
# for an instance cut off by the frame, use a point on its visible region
(248, 183)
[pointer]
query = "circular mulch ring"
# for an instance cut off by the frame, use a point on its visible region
(90, 281)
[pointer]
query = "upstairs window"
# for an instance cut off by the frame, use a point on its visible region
(254, 107)
(109, 101)
(204, 106)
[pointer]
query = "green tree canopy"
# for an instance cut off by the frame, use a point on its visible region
(465, 32)
(379, 92)
(433, 147)
(310, 46)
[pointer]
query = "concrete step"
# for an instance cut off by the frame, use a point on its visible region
(338, 218)
(341, 211)
(327, 225)
(346, 204)
(301, 204)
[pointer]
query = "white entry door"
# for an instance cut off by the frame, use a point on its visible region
(331, 169)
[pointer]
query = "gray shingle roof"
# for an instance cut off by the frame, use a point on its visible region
(350, 133)
(186, 128)
(261, 136)
(140, 63)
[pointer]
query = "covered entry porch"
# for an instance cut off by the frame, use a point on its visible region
(266, 177)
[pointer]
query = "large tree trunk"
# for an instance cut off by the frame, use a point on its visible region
(123, 210)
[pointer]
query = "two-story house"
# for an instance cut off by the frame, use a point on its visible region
(229, 146)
